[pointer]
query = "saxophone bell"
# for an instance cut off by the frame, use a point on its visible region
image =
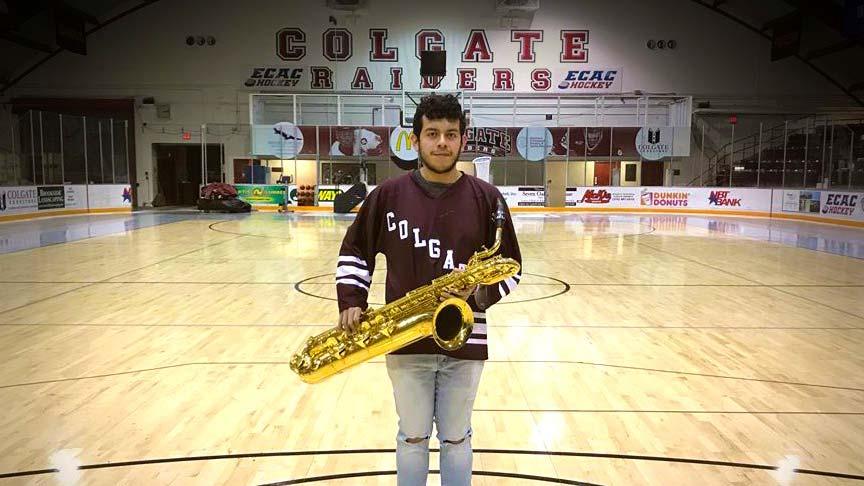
(453, 322)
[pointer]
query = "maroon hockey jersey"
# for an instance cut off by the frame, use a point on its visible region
(424, 237)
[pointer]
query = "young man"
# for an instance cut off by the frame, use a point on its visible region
(428, 223)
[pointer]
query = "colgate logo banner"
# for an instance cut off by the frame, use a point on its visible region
(308, 57)
(721, 198)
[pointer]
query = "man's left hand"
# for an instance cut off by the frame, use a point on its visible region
(459, 294)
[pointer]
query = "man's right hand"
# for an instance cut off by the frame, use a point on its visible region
(349, 319)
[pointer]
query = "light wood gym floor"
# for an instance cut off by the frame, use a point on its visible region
(663, 350)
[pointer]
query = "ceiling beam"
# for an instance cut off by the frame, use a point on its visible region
(783, 19)
(831, 49)
(756, 29)
(19, 39)
(829, 13)
(90, 19)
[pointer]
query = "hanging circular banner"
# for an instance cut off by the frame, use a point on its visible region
(654, 143)
(534, 143)
(402, 150)
(286, 140)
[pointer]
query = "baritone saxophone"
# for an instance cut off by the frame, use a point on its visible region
(417, 315)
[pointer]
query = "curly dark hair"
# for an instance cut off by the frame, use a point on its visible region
(436, 107)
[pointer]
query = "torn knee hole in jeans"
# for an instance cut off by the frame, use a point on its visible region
(455, 442)
(415, 440)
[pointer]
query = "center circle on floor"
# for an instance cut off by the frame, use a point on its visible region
(312, 286)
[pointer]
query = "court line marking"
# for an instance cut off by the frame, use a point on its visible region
(851, 314)
(605, 236)
(283, 238)
(530, 284)
(500, 474)
(519, 326)
(380, 362)
(221, 282)
(773, 287)
(773, 222)
(83, 239)
(686, 412)
(525, 326)
(118, 275)
(566, 289)
(594, 455)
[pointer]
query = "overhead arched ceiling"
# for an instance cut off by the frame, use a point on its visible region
(832, 32)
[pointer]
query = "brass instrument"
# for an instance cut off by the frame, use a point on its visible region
(415, 316)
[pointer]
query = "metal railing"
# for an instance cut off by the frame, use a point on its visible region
(52, 148)
(816, 152)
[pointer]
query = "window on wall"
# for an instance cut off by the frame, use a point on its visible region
(214, 163)
(121, 164)
(73, 149)
(333, 173)
(499, 175)
(27, 151)
(630, 172)
(249, 171)
(95, 156)
(516, 173)
(534, 173)
(53, 161)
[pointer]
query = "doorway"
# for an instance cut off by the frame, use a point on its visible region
(601, 173)
(556, 176)
(178, 170)
(630, 174)
(652, 173)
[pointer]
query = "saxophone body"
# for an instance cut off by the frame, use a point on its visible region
(417, 315)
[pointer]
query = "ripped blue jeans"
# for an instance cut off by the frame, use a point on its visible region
(427, 388)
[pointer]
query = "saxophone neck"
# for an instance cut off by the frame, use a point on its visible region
(487, 252)
(499, 229)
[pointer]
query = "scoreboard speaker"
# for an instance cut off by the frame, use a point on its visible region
(433, 63)
(348, 200)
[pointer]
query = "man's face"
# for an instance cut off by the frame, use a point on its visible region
(345, 136)
(440, 144)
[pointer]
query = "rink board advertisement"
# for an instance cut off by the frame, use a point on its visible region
(109, 196)
(702, 198)
(730, 199)
(261, 194)
(524, 196)
(842, 205)
(17, 200)
(612, 197)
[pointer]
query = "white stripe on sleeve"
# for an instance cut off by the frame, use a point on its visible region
(351, 259)
(348, 281)
(346, 270)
